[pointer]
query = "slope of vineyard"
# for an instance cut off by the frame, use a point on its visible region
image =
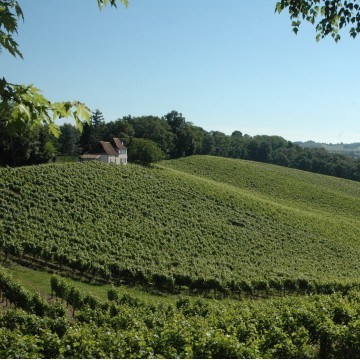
(203, 222)
(75, 324)
(292, 187)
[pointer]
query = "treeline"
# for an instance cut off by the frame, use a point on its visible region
(151, 138)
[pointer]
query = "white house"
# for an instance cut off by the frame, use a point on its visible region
(113, 152)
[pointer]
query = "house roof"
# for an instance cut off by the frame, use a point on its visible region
(102, 148)
(118, 144)
(90, 156)
(108, 148)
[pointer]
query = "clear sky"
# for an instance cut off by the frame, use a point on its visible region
(225, 65)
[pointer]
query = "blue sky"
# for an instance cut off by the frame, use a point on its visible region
(225, 65)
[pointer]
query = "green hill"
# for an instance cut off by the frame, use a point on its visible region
(203, 222)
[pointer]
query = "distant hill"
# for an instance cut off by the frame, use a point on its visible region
(203, 222)
(352, 150)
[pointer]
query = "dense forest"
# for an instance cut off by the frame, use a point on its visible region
(151, 138)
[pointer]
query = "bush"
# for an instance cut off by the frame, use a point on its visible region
(144, 152)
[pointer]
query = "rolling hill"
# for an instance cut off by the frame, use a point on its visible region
(201, 222)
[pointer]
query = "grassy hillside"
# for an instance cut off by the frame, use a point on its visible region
(204, 222)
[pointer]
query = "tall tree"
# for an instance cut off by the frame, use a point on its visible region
(68, 142)
(155, 129)
(221, 143)
(184, 137)
(94, 132)
(175, 120)
(120, 128)
(237, 145)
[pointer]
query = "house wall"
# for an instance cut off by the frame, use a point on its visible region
(123, 159)
(103, 158)
(112, 159)
(108, 159)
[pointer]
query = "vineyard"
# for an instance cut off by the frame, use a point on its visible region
(202, 225)
(202, 257)
(295, 188)
(74, 324)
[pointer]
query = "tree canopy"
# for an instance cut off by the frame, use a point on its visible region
(144, 152)
(328, 16)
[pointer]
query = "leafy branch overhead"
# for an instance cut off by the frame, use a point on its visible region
(10, 12)
(102, 3)
(22, 106)
(328, 16)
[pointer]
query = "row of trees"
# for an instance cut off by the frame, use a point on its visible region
(176, 138)
(151, 138)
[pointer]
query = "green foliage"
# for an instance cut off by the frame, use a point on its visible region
(10, 12)
(32, 146)
(112, 295)
(144, 152)
(24, 299)
(23, 106)
(68, 142)
(93, 132)
(325, 326)
(286, 186)
(329, 16)
(178, 138)
(102, 3)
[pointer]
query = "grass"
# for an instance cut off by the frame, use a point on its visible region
(39, 281)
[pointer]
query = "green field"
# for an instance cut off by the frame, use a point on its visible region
(201, 222)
